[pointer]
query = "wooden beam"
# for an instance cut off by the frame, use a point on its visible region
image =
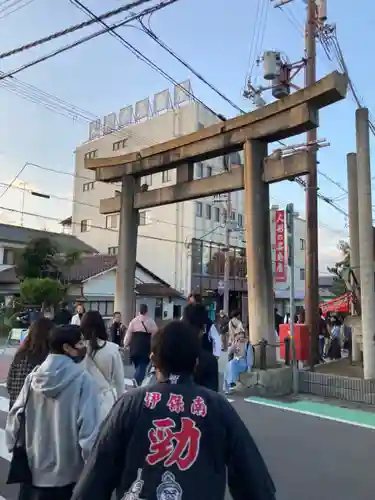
(291, 166)
(285, 124)
(224, 137)
(274, 170)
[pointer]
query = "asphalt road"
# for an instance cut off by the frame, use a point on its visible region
(309, 458)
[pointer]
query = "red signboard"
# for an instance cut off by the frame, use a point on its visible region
(280, 264)
(338, 305)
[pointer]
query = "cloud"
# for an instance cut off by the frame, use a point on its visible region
(329, 253)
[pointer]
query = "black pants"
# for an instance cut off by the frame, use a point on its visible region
(35, 493)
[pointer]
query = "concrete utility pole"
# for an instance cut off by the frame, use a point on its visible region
(312, 262)
(227, 254)
(353, 231)
(127, 251)
(366, 242)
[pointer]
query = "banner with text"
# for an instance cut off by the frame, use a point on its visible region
(280, 257)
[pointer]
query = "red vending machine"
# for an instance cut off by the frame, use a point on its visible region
(301, 339)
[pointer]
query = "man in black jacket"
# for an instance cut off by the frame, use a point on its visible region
(207, 369)
(174, 440)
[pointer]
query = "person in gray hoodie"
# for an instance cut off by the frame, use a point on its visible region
(61, 419)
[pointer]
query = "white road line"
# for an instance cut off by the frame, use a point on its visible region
(129, 381)
(3, 447)
(4, 406)
(311, 414)
(230, 400)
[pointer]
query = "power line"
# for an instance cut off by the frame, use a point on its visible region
(6, 12)
(13, 181)
(139, 55)
(81, 40)
(72, 29)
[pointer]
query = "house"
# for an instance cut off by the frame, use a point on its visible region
(13, 238)
(93, 281)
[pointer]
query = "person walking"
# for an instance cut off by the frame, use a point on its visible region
(223, 324)
(63, 316)
(77, 318)
(30, 354)
(59, 408)
(138, 339)
(207, 369)
(117, 331)
(235, 326)
(103, 361)
(174, 440)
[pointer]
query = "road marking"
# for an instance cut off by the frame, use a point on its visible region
(4, 405)
(3, 447)
(129, 381)
(230, 400)
(324, 411)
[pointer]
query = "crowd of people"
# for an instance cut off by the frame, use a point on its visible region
(75, 433)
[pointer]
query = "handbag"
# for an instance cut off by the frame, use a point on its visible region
(19, 469)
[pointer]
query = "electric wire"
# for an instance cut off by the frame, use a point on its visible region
(6, 12)
(72, 29)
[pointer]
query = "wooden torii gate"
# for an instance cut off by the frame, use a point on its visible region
(251, 132)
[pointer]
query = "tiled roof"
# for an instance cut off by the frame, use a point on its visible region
(65, 242)
(90, 266)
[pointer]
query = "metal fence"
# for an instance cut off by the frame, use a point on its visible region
(350, 389)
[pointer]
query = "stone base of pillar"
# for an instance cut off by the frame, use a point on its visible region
(275, 382)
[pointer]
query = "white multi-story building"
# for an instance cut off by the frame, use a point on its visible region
(167, 233)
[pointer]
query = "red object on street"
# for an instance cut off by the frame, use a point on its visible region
(339, 304)
(301, 339)
(280, 254)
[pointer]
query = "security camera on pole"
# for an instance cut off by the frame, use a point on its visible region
(289, 212)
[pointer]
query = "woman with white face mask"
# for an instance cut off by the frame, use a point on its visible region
(58, 412)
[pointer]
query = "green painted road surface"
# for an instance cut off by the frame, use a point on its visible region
(325, 411)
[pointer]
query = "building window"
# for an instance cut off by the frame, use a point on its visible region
(144, 218)
(199, 170)
(209, 171)
(216, 214)
(8, 257)
(240, 220)
(208, 212)
(119, 145)
(233, 215)
(112, 250)
(111, 221)
(302, 244)
(85, 225)
(166, 176)
(198, 209)
(91, 154)
(302, 274)
(88, 186)
(147, 179)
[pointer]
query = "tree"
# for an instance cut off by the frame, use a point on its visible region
(37, 259)
(340, 269)
(41, 268)
(45, 292)
(42, 258)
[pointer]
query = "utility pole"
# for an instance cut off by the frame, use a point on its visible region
(228, 218)
(351, 160)
(290, 239)
(312, 263)
(366, 242)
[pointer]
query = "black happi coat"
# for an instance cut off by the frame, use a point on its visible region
(174, 440)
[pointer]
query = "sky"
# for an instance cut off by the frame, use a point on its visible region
(216, 37)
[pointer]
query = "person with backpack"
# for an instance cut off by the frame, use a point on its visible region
(138, 340)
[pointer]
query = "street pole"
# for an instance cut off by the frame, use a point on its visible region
(312, 263)
(290, 240)
(227, 255)
(366, 242)
(351, 160)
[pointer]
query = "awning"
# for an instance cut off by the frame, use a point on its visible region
(339, 304)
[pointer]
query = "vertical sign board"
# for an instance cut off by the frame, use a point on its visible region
(280, 264)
